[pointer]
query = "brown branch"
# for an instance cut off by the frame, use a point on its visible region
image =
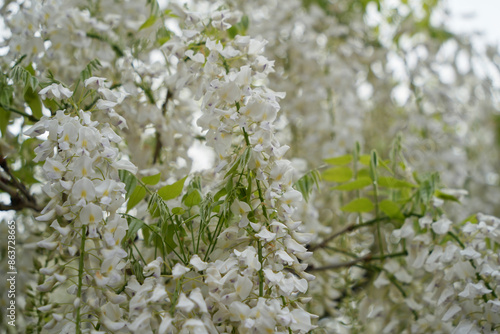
(20, 197)
(347, 229)
(19, 206)
(159, 145)
(365, 258)
(9, 190)
(15, 181)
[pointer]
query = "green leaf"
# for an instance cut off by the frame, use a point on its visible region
(169, 12)
(168, 232)
(359, 183)
(390, 182)
(129, 179)
(241, 161)
(134, 225)
(365, 159)
(4, 121)
(163, 35)
(178, 211)
(86, 73)
(26, 174)
(146, 233)
(6, 92)
(359, 205)
(154, 206)
(25, 75)
(306, 183)
(151, 180)
(245, 22)
(362, 173)
(385, 164)
(391, 209)
(220, 193)
(240, 28)
(192, 198)
(137, 270)
(426, 191)
(341, 160)
(233, 31)
(51, 105)
(149, 22)
(446, 197)
(33, 101)
(337, 174)
(31, 70)
(472, 219)
(172, 191)
(137, 195)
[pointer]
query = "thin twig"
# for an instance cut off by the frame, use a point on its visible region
(20, 197)
(30, 117)
(342, 264)
(346, 229)
(159, 145)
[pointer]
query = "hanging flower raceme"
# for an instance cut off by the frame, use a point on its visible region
(225, 250)
(256, 286)
(81, 167)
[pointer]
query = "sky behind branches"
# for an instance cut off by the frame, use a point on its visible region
(479, 16)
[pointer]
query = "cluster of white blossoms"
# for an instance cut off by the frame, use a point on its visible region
(446, 282)
(330, 58)
(81, 164)
(258, 285)
(460, 281)
(255, 287)
(233, 250)
(159, 137)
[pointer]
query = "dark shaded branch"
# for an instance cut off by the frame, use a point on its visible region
(365, 258)
(159, 145)
(19, 206)
(346, 229)
(20, 197)
(19, 112)
(342, 264)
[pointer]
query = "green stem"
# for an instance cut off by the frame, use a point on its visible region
(373, 170)
(264, 211)
(218, 230)
(355, 173)
(138, 252)
(259, 190)
(451, 234)
(261, 272)
(30, 117)
(80, 279)
(118, 51)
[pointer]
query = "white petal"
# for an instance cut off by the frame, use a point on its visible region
(184, 303)
(125, 165)
(454, 309)
(197, 263)
(178, 270)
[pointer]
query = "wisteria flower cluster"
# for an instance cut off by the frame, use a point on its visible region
(248, 167)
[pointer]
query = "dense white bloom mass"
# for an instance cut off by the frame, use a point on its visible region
(118, 96)
(85, 193)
